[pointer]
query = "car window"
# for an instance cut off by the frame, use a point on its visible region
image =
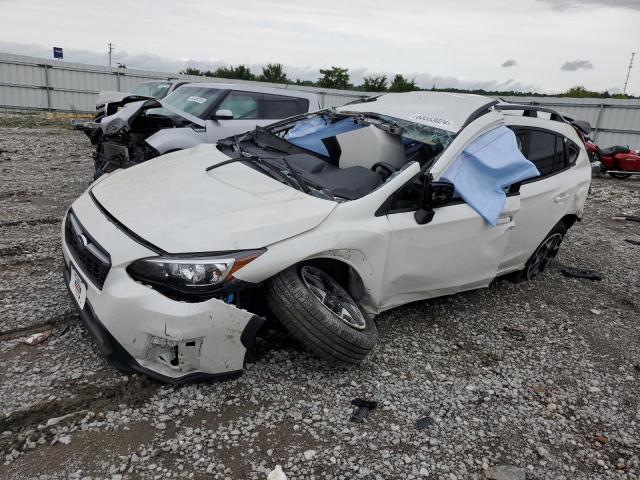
(560, 158)
(542, 147)
(573, 151)
(151, 89)
(280, 106)
(243, 105)
(194, 100)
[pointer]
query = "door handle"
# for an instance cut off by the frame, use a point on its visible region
(504, 220)
(562, 197)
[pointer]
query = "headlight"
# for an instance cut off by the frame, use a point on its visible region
(190, 279)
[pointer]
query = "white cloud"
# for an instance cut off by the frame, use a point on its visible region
(463, 41)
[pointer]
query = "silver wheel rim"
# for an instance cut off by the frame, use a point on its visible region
(332, 297)
(543, 255)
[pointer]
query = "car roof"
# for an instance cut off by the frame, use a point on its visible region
(447, 111)
(255, 88)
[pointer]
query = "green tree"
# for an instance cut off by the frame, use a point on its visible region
(305, 83)
(375, 84)
(274, 73)
(237, 73)
(334, 77)
(401, 84)
(191, 71)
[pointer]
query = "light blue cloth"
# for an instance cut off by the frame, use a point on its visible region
(488, 165)
(308, 133)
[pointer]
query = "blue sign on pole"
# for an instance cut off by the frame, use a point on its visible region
(57, 53)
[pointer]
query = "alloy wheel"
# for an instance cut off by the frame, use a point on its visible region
(543, 255)
(332, 297)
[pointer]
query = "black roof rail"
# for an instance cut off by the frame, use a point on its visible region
(555, 115)
(363, 99)
(479, 112)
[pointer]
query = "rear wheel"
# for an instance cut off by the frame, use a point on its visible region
(619, 175)
(545, 253)
(318, 312)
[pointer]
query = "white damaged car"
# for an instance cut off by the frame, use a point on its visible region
(322, 221)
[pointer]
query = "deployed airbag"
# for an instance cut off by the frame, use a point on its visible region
(485, 168)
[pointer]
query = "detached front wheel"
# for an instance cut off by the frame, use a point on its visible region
(321, 314)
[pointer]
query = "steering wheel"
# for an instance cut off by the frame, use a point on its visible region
(385, 166)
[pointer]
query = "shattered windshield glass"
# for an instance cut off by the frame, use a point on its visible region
(420, 133)
(194, 100)
(311, 130)
(152, 89)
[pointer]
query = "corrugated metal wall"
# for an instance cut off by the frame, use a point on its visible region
(614, 122)
(34, 83)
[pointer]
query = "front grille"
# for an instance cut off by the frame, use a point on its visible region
(101, 112)
(94, 261)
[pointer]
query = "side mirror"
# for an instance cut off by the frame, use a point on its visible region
(434, 194)
(223, 114)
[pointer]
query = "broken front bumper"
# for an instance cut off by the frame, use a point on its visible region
(138, 329)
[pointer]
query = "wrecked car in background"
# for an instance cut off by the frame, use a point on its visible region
(327, 219)
(194, 114)
(109, 102)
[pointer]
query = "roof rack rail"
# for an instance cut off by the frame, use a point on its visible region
(479, 112)
(364, 99)
(555, 115)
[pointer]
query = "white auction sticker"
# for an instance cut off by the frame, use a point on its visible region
(441, 122)
(193, 98)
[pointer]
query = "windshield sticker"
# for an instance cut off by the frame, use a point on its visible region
(193, 98)
(443, 122)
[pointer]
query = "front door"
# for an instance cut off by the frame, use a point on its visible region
(456, 251)
(245, 107)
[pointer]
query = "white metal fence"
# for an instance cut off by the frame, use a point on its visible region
(39, 84)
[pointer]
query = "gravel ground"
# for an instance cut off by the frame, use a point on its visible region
(529, 380)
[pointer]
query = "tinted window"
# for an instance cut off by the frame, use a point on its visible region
(560, 159)
(542, 147)
(243, 105)
(279, 106)
(573, 152)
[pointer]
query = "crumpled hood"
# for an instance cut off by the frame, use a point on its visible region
(111, 97)
(173, 203)
(123, 118)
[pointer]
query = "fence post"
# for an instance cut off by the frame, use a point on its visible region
(595, 133)
(47, 85)
(323, 96)
(118, 80)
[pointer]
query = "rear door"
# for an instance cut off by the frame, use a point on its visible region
(278, 107)
(546, 199)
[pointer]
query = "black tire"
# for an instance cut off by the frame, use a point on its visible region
(290, 297)
(548, 249)
(619, 175)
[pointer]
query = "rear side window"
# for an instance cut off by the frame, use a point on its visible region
(560, 158)
(542, 148)
(279, 106)
(572, 151)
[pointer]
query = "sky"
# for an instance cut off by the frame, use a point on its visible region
(528, 45)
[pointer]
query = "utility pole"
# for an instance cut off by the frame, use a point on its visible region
(626, 82)
(110, 52)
